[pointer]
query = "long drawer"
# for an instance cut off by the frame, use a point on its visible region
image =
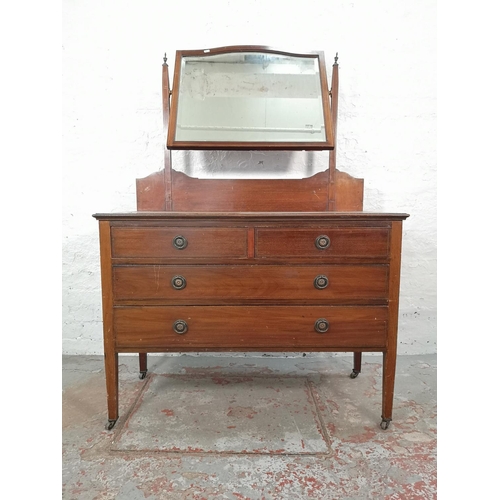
(208, 284)
(322, 243)
(255, 327)
(179, 242)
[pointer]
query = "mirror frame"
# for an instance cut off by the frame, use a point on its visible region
(244, 145)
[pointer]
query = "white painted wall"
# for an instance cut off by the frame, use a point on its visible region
(112, 123)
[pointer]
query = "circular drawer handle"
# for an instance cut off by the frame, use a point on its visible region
(180, 242)
(320, 282)
(180, 326)
(178, 282)
(322, 242)
(321, 325)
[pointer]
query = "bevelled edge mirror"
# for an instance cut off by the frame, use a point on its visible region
(250, 98)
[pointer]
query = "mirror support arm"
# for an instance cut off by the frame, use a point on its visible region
(166, 93)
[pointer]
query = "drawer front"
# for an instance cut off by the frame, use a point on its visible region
(322, 243)
(178, 242)
(329, 283)
(250, 327)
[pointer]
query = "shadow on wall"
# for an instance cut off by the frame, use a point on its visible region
(250, 164)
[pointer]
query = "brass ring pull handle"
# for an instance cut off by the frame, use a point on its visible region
(180, 327)
(178, 282)
(322, 242)
(180, 242)
(321, 325)
(320, 282)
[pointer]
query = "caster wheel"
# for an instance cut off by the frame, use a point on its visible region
(142, 375)
(110, 424)
(385, 423)
(354, 374)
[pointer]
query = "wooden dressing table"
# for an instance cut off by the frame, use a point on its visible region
(209, 265)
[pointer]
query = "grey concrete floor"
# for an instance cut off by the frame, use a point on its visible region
(204, 427)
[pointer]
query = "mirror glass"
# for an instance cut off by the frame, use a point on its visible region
(249, 97)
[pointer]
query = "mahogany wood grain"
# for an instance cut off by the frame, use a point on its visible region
(330, 122)
(251, 243)
(167, 158)
(343, 194)
(165, 96)
(211, 284)
(143, 362)
(357, 362)
(249, 195)
(389, 357)
(144, 218)
(110, 354)
(255, 327)
(150, 192)
(335, 100)
(332, 164)
(348, 192)
(214, 242)
(346, 242)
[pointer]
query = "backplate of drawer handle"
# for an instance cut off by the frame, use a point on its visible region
(322, 242)
(180, 326)
(321, 325)
(178, 282)
(320, 282)
(180, 242)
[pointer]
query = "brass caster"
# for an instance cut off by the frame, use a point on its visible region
(385, 423)
(354, 374)
(110, 424)
(142, 375)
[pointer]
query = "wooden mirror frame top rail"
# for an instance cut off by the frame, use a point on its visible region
(330, 190)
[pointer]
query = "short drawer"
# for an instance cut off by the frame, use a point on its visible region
(255, 328)
(178, 242)
(209, 284)
(322, 243)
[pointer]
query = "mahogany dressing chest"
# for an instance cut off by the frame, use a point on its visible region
(208, 265)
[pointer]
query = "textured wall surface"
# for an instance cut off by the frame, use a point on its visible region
(112, 125)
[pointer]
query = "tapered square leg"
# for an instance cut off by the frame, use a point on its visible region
(389, 360)
(143, 365)
(357, 365)
(389, 375)
(110, 354)
(111, 368)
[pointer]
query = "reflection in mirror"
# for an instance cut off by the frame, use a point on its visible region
(250, 97)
